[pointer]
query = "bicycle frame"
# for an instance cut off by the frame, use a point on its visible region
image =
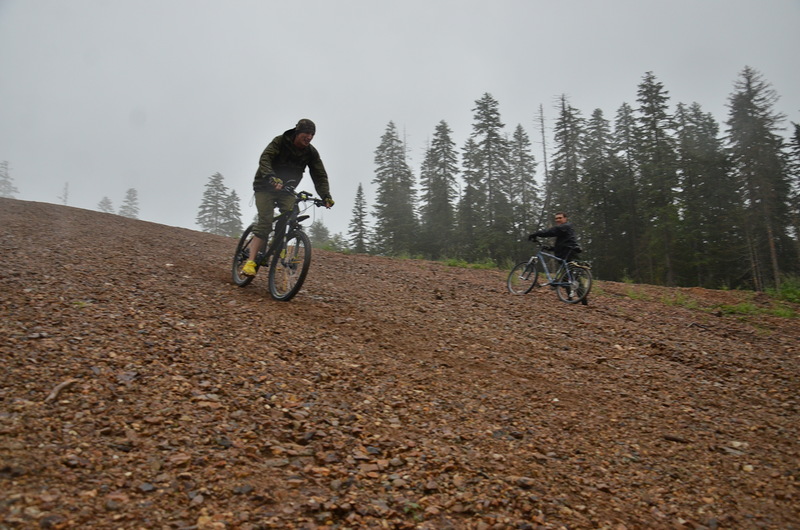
(285, 223)
(551, 278)
(571, 279)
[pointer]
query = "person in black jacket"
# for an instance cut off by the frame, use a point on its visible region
(282, 164)
(566, 243)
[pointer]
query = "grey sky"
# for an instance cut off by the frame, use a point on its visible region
(158, 95)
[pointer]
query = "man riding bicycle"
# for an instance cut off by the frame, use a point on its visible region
(566, 245)
(282, 164)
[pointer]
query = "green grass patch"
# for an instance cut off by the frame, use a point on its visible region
(460, 263)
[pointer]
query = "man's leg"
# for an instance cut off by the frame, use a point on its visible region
(265, 204)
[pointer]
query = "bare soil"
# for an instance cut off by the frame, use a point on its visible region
(141, 389)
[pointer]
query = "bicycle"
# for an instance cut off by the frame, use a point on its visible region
(572, 280)
(288, 255)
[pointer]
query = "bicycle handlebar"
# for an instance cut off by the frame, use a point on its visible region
(303, 195)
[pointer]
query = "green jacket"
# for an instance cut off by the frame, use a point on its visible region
(283, 160)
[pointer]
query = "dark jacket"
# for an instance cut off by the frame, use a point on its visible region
(565, 239)
(284, 160)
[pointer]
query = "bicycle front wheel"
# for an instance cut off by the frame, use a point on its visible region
(240, 257)
(290, 266)
(522, 278)
(575, 286)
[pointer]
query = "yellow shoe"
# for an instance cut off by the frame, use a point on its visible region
(249, 268)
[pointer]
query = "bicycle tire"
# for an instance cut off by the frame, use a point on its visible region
(522, 278)
(240, 257)
(290, 266)
(578, 289)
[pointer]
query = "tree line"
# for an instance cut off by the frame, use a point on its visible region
(129, 207)
(659, 195)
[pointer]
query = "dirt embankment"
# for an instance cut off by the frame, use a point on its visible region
(141, 389)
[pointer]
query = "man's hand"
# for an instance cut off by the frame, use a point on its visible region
(328, 202)
(276, 183)
(532, 237)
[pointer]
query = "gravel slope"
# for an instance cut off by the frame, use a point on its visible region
(141, 389)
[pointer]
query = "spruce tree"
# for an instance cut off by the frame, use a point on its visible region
(212, 214)
(711, 233)
(566, 168)
(130, 206)
(395, 222)
(7, 188)
(525, 194)
(656, 160)
(794, 197)
(472, 234)
(490, 160)
(319, 233)
(626, 234)
(438, 181)
(601, 203)
(758, 162)
(105, 205)
(358, 229)
(232, 216)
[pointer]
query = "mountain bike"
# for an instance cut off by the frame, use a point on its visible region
(288, 254)
(572, 280)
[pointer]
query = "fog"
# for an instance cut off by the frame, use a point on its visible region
(159, 95)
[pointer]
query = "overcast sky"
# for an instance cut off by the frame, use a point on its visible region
(158, 95)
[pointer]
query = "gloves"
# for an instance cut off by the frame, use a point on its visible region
(328, 202)
(532, 237)
(276, 182)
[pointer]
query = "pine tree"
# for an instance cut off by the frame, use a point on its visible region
(626, 236)
(130, 206)
(7, 189)
(656, 160)
(64, 197)
(438, 180)
(565, 174)
(232, 220)
(490, 159)
(794, 198)
(395, 222)
(213, 211)
(711, 232)
(319, 233)
(601, 204)
(358, 224)
(105, 205)
(472, 234)
(525, 194)
(758, 162)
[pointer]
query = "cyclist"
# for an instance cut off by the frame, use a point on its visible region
(566, 243)
(282, 164)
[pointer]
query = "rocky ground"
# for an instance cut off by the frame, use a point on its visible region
(141, 389)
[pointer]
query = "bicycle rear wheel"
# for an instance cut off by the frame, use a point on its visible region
(575, 287)
(240, 257)
(522, 278)
(290, 266)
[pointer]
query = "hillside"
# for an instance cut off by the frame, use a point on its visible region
(141, 389)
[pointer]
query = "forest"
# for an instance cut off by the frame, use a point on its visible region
(659, 195)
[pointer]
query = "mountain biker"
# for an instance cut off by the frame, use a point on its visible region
(566, 244)
(282, 164)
